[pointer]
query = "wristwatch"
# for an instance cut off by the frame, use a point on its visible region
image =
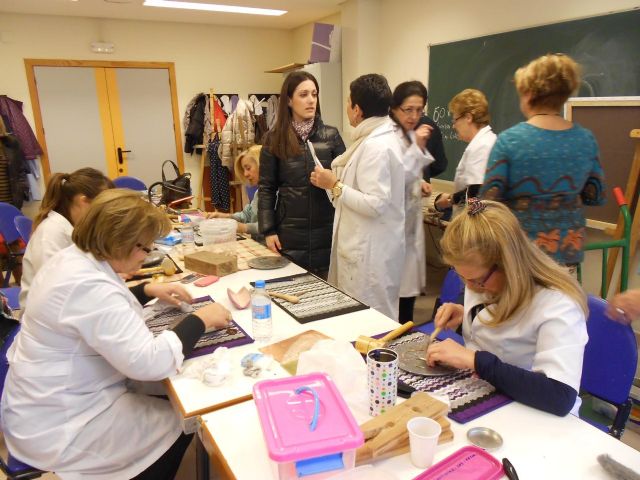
(336, 190)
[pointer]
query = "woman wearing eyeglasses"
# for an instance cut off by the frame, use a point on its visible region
(407, 104)
(547, 168)
(66, 406)
(470, 111)
(523, 318)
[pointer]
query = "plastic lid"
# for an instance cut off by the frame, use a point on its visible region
(285, 418)
(468, 463)
(260, 283)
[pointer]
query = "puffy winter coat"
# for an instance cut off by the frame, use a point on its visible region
(289, 206)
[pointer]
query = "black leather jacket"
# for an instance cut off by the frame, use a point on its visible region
(289, 206)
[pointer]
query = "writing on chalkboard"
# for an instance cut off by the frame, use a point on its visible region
(443, 118)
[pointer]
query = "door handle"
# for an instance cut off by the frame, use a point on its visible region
(120, 152)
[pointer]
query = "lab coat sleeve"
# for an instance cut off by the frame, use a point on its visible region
(476, 164)
(371, 196)
(414, 161)
(118, 333)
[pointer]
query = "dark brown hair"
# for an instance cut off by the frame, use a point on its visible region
(281, 139)
(63, 187)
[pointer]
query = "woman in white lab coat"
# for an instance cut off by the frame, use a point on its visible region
(65, 405)
(367, 185)
(470, 111)
(407, 106)
(65, 202)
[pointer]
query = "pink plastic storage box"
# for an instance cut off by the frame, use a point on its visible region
(309, 430)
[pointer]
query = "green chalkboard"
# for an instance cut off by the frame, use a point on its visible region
(607, 48)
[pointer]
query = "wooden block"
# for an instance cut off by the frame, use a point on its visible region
(210, 263)
(386, 435)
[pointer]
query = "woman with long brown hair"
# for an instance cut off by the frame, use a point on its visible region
(65, 202)
(296, 217)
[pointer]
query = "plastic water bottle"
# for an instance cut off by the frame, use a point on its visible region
(187, 232)
(261, 313)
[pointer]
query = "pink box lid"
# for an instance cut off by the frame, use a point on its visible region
(285, 418)
(468, 463)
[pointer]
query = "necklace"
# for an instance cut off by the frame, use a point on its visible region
(536, 114)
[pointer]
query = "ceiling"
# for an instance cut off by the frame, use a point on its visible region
(299, 13)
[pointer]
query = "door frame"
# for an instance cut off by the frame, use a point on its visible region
(31, 63)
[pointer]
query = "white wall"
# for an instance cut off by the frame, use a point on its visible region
(229, 59)
(411, 25)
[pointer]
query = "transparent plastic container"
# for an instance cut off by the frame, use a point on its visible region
(218, 230)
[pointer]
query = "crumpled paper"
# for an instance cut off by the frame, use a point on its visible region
(212, 370)
(347, 369)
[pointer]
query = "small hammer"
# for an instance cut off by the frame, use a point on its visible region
(167, 267)
(364, 344)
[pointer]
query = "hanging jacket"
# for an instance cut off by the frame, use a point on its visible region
(12, 157)
(194, 122)
(289, 206)
(16, 123)
(238, 133)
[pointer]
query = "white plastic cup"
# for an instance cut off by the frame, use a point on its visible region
(423, 440)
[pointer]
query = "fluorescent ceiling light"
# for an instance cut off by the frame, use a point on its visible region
(212, 7)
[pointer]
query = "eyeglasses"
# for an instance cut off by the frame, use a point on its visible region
(412, 110)
(459, 117)
(482, 282)
(146, 250)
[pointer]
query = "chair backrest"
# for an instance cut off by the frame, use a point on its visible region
(23, 225)
(452, 290)
(610, 356)
(7, 226)
(131, 183)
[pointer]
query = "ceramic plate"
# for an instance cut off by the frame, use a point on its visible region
(267, 263)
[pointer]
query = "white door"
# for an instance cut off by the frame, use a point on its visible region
(119, 120)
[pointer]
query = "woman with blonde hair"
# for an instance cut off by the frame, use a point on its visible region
(65, 202)
(65, 405)
(470, 111)
(247, 166)
(523, 318)
(547, 168)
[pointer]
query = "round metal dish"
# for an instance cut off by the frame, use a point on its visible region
(154, 258)
(267, 263)
(411, 358)
(484, 437)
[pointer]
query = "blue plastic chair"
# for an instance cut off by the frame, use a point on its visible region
(131, 183)
(13, 296)
(610, 361)
(23, 225)
(10, 234)
(13, 468)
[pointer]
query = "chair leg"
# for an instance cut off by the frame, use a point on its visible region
(617, 428)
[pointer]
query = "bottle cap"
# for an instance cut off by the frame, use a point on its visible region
(260, 284)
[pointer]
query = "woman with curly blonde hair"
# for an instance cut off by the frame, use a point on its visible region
(547, 168)
(523, 318)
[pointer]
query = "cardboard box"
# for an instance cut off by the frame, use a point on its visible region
(210, 263)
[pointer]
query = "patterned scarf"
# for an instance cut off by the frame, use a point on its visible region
(361, 132)
(303, 129)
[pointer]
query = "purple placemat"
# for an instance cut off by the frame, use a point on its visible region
(160, 317)
(470, 397)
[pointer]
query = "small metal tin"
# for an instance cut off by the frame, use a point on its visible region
(484, 437)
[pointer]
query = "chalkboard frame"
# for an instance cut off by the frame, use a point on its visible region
(627, 163)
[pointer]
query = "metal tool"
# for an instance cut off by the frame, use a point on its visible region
(509, 470)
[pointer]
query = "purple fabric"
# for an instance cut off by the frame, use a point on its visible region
(11, 111)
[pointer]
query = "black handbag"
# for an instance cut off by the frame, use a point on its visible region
(172, 190)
